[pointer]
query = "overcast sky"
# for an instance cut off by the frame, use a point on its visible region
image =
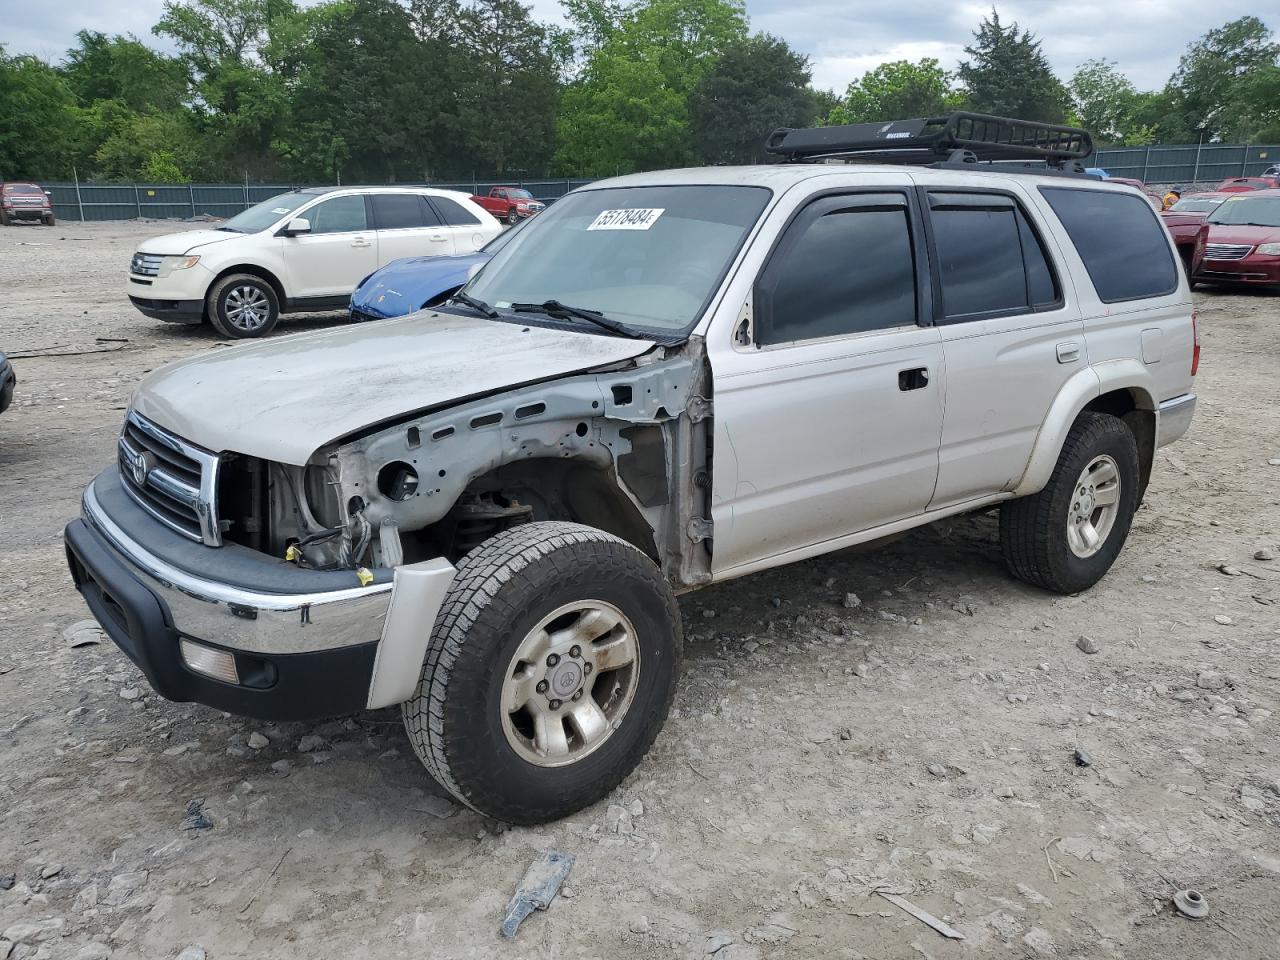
(843, 38)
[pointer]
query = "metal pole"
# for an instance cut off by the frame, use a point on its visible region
(1146, 163)
(1195, 175)
(246, 189)
(79, 203)
(1244, 160)
(137, 202)
(191, 192)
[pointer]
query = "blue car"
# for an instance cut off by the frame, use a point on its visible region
(412, 283)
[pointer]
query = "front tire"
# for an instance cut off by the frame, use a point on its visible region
(49, 220)
(550, 671)
(513, 216)
(1066, 537)
(242, 306)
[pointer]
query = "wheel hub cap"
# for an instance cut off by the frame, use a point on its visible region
(570, 682)
(1095, 504)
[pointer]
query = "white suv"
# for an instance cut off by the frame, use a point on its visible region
(303, 250)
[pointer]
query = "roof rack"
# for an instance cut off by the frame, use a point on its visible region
(960, 138)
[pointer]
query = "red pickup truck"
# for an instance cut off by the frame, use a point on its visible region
(511, 204)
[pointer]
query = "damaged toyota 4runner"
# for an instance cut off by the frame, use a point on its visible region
(483, 513)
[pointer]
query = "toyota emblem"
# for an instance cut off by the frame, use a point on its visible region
(140, 467)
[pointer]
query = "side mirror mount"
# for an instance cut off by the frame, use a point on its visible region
(298, 225)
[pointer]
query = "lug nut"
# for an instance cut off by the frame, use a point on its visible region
(578, 695)
(553, 659)
(587, 668)
(555, 704)
(575, 651)
(542, 686)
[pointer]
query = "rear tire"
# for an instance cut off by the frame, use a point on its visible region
(1066, 537)
(539, 611)
(241, 306)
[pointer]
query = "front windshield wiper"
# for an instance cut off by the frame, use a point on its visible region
(478, 305)
(552, 308)
(228, 229)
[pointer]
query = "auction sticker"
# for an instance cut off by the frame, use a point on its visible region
(638, 218)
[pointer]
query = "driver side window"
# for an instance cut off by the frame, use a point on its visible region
(339, 215)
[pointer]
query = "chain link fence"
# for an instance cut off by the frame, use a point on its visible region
(1200, 166)
(189, 201)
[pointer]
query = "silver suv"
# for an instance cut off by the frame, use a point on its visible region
(483, 513)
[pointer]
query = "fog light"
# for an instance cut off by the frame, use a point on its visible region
(212, 663)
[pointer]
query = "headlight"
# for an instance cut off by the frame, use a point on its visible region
(1269, 249)
(185, 263)
(170, 264)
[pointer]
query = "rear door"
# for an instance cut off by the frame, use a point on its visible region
(1011, 334)
(408, 226)
(465, 229)
(339, 251)
(828, 424)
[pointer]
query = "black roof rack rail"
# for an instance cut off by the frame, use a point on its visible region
(959, 138)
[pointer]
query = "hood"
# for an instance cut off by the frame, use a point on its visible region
(283, 399)
(172, 244)
(403, 286)
(1181, 219)
(1242, 233)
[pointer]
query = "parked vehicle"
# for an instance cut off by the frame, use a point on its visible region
(1184, 218)
(8, 380)
(300, 251)
(1248, 184)
(1153, 197)
(483, 513)
(415, 283)
(511, 204)
(25, 201)
(1239, 243)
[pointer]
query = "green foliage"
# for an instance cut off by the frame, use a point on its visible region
(1225, 83)
(757, 85)
(898, 90)
(162, 167)
(1007, 74)
(1103, 100)
(37, 118)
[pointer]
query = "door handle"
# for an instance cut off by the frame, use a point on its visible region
(439, 237)
(1068, 352)
(360, 242)
(917, 378)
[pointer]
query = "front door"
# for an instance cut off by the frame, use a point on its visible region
(828, 424)
(338, 253)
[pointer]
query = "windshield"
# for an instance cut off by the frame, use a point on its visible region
(1194, 205)
(1261, 211)
(22, 190)
(642, 256)
(519, 194)
(264, 214)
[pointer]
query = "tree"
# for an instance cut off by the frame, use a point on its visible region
(756, 86)
(629, 107)
(1103, 100)
(123, 69)
(897, 91)
(1007, 74)
(37, 131)
(1220, 88)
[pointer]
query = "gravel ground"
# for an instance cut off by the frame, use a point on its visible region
(921, 739)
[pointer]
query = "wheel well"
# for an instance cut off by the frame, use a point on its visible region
(1136, 409)
(574, 490)
(261, 273)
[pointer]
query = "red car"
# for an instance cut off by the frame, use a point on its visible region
(1184, 219)
(24, 201)
(511, 204)
(1240, 241)
(1153, 198)
(1247, 184)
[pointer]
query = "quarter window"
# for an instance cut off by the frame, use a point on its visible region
(846, 266)
(454, 213)
(1123, 245)
(990, 261)
(339, 215)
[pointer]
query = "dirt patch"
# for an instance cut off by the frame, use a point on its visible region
(922, 740)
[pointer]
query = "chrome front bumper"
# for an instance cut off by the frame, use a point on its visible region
(398, 616)
(1175, 418)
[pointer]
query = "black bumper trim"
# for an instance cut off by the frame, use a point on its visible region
(298, 686)
(175, 311)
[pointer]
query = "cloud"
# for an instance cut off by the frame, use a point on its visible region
(842, 39)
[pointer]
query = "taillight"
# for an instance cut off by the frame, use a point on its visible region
(1195, 340)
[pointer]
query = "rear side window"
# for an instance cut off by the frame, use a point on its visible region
(398, 211)
(990, 260)
(1121, 241)
(845, 266)
(454, 213)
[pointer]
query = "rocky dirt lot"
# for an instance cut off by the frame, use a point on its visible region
(903, 719)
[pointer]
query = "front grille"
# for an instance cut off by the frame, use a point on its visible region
(145, 264)
(1226, 251)
(171, 479)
